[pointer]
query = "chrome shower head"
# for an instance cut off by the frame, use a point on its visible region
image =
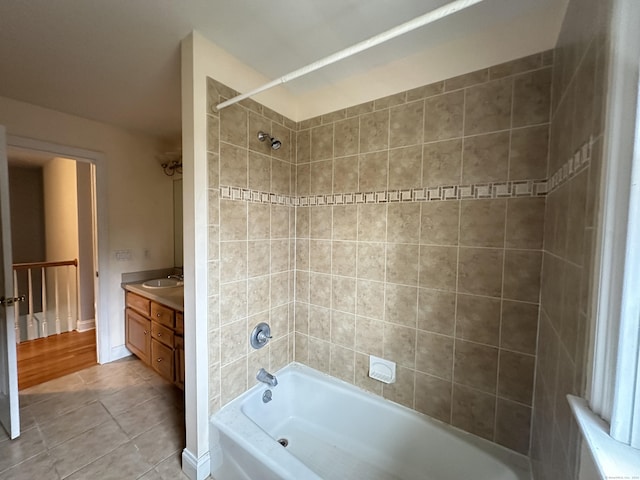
(275, 144)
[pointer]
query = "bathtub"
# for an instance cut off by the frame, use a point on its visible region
(334, 430)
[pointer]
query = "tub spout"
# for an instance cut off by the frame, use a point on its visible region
(265, 377)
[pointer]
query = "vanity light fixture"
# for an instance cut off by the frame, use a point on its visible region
(171, 162)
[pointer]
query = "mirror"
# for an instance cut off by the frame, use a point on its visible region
(177, 223)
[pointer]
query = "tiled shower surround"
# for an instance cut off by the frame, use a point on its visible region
(413, 231)
(579, 93)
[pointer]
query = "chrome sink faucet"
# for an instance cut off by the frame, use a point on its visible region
(177, 277)
(265, 377)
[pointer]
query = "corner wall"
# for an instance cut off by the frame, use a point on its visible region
(575, 163)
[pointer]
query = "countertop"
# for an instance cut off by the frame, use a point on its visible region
(172, 297)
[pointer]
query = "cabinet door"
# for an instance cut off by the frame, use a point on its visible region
(138, 303)
(179, 361)
(162, 359)
(138, 335)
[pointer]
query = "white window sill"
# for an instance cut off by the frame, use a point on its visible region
(613, 459)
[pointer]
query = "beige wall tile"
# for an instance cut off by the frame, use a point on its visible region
(488, 107)
(320, 289)
(233, 125)
(374, 131)
(213, 134)
(442, 163)
(519, 326)
(233, 165)
(373, 171)
(522, 275)
(473, 411)
(234, 379)
(486, 158)
(279, 288)
(344, 294)
(234, 339)
(482, 222)
(213, 170)
(233, 301)
(258, 123)
(370, 301)
(301, 348)
(233, 220)
(400, 344)
(303, 179)
(439, 223)
(436, 311)
(528, 153)
(233, 261)
(402, 263)
(438, 267)
(320, 256)
(425, 91)
(259, 172)
(403, 222)
(480, 271)
(405, 124)
(371, 261)
(343, 329)
(258, 254)
(320, 222)
(478, 319)
(525, 223)
(372, 222)
(369, 336)
(519, 65)
(281, 177)
(319, 322)
(402, 390)
(280, 221)
(466, 80)
(433, 397)
(476, 366)
(443, 118)
(515, 379)
(405, 167)
(342, 363)
(319, 355)
(345, 174)
(513, 422)
(401, 305)
(347, 134)
(343, 258)
(302, 318)
(334, 116)
(434, 354)
(360, 109)
(345, 225)
(259, 294)
(321, 177)
(322, 142)
(531, 98)
(259, 221)
(390, 101)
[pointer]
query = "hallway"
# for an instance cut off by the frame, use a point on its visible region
(112, 421)
(52, 357)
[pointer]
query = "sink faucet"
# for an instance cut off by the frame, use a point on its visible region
(265, 377)
(177, 277)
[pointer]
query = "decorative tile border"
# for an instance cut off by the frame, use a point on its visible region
(524, 188)
(580, 160)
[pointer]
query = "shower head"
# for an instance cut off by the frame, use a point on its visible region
(275, 144)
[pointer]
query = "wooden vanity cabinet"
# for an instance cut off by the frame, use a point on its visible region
(154, 333)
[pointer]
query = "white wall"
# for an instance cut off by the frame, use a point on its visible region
(138, 197)
(61, 234)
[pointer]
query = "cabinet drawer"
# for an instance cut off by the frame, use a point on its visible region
(138, 335)
(138, 303)
(179, 323)
(162, 314)
(162, 334)
(162, 359)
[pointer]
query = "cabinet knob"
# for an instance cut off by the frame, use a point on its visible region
(145, 332)
(158, 314)
(159, 334)
(159, 360)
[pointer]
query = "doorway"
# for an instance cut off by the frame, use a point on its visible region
(53, 210)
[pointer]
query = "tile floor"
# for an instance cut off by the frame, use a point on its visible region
(113, 421)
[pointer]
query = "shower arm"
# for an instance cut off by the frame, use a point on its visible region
(422, 20)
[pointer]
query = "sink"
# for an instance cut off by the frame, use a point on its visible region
(163, 283)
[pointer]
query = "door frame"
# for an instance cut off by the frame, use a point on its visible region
(100, 215)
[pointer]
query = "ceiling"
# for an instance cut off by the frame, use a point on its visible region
(118, 61)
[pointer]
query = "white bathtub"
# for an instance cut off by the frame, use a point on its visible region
(338, 431)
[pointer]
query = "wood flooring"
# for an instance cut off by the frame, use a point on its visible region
(48, 358)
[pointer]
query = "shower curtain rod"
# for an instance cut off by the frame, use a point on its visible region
(401, 29)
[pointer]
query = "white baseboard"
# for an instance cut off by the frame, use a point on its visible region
(195, 468)
(86, 325)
